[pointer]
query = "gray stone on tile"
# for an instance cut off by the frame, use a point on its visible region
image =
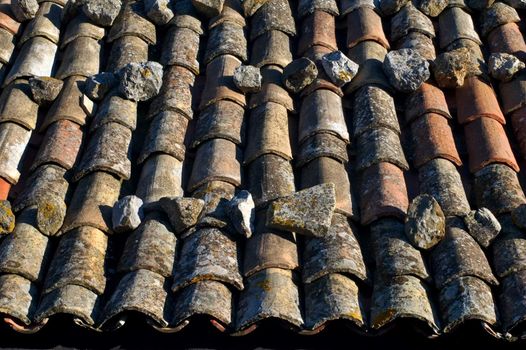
(182, 212)
(425, 223)
(339, 68)
(50, 215)
(299, 74)
(406, 69)
(7, 218)
(24, 10)
(483, 226)
(141, 81)
(127, 214)
(45, 89)
(247, 79)
(451, 68)
(102, 12)
(432, 8)
(390, 7)
(158, 11)
(242, 213)
(503, 66)
(308, 211)
(98, 85)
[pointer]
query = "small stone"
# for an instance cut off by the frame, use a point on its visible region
(127, 214)
(503, 66)
(209, 8)
(102, 12)
(425, 224)
(7, 218)
(50, 215)
(432, 8)
(45, 89)
(406, 69)
(518, 216)
(24, 10)
(182, 212)
(307, 212)
(390, 7)
(158, 11)
(141, 81)
(340, 68)
(241, 210)
(451, 68)
(298, 74)
(483, 226)
(98, 85)
(248, 79)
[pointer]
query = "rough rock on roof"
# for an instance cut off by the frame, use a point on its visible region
(346, 257)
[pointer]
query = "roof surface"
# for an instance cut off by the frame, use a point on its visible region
(63, 166)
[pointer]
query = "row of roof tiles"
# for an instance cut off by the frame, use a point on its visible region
(364, 270)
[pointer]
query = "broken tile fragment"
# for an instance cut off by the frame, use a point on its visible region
(141, 81)
(339, 68)
(45, 89)
(158, 11)
(483, 226)
(182, 212)
(98, 85)
(503, 66)
(247, 79)
(127, 214)
(209, 8)
(242, 213)
(406, 69)
(425, 224)
(7, 218)
(308, 211)
(24, 10)
(451, 68)
(299, 74)
(432, 8)
(102, 12)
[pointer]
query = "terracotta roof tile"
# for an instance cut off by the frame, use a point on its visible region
(487, 143)
(365, 24)
(477, 99)
(432, 138)
(202, 137)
